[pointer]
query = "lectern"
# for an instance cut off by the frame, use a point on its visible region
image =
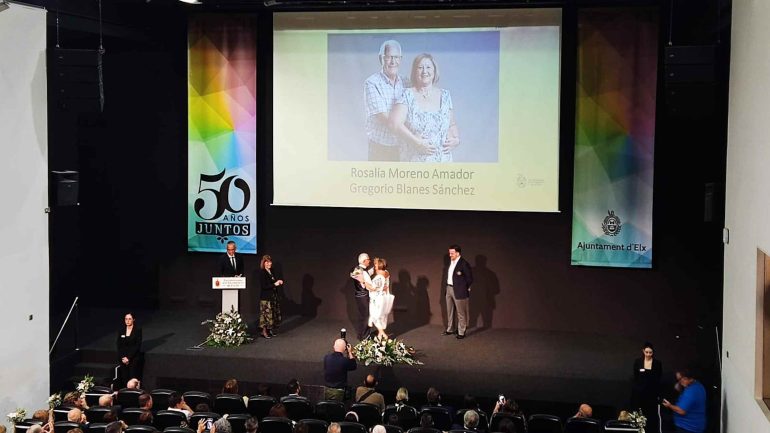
(230, 286)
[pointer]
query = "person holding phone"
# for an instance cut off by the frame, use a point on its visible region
(690, 408)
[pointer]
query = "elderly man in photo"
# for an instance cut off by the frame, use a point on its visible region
(382, 90)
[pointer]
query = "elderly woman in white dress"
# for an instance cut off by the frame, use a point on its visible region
(380, 299)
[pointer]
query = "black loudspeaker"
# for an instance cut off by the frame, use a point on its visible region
(77, 79)
(690, 81)
(64, 188)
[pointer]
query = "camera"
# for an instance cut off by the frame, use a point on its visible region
(343, 333)
(501, 399)
(209, 423)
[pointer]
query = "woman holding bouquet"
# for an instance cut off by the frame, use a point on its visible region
(380, 299)
(269, 306)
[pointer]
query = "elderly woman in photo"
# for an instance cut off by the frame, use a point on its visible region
(423, 117)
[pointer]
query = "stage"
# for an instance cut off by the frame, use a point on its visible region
(526, 365)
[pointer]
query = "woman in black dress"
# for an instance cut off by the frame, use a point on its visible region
(269, 306)
(646, 388)
(130, 358)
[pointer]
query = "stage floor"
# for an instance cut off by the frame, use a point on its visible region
(527, 365)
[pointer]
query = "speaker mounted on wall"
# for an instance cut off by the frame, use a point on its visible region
(77, 79)
(64, 188)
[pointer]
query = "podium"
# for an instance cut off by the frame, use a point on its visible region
(230, 286)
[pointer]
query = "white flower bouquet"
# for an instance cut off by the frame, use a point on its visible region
(637, 419)
(54, 400)
(385, 351)
(17, 416)
(228, 329)
(86, 384)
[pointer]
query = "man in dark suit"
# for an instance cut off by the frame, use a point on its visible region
(458, 279)
(231, 264)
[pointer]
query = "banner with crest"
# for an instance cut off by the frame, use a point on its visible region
(615, 137)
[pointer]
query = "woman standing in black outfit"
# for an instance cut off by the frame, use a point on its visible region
(269, 306)
(646, 389)
(129, 344)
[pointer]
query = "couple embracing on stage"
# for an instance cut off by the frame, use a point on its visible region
(373, 297)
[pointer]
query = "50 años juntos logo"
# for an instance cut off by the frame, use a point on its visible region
(216, 201)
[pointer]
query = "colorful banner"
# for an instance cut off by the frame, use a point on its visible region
(614, 138)
(222, 133)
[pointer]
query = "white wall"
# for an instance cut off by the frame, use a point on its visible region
(748, 209)
(24, 366)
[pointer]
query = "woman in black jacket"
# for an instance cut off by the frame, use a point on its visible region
(269, 305)
(129, 351)
(646, 387)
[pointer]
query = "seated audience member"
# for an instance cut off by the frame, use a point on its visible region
(222, 425)
(75, 430)
(115, 427)
(368, 394)
(231, 387)
(133, 384)
(278, 410)
(202, 407)
(407, 415)
(506, 426)
(34, 429)
(300, 427)
(176, 403)
(75, 399)
(585, 411)
(470, 419)
(76, 415)
(263, 389)
(251, 425)
(334, 428)
(393, 420)
(146, 418)
(379, 429)
(508, 406)
(105, 400)
(433, 397)
(351, 417)
(294, 388)
(145, 401)
(46, 417)
(402, 396)
(110, 416)
(426, 421)
(624, 416)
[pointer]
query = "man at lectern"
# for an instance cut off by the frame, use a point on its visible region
(231, 264)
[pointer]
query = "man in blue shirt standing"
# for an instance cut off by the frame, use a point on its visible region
(690, 408)
(336, 367)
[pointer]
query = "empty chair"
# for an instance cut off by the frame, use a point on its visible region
(160, 399)
(238, 421)
(542, 423)
(368, 414)
(483, 420)
(518, 421)
(141, 429)
(96, 413)
(169, 418)
(131, 415)
(583, 425)
(614, 425)
(298, 408)
(65, 426)
(96, 427)
(330, 410)
(407, 416)
(315, 425)
(272, 424)
(259, 405)
(178, 430)
(229, 404)
(129, 397)
(197, 416)
(352, 427)
(394, 429)
(442, 418)
(194, 398)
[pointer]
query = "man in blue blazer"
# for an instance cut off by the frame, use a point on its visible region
(458, 278)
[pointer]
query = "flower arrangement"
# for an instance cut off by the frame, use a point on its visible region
(638, 420)
(54, 400)
(17, 416)
(86, 384)
(227, 330)
(385, 351)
